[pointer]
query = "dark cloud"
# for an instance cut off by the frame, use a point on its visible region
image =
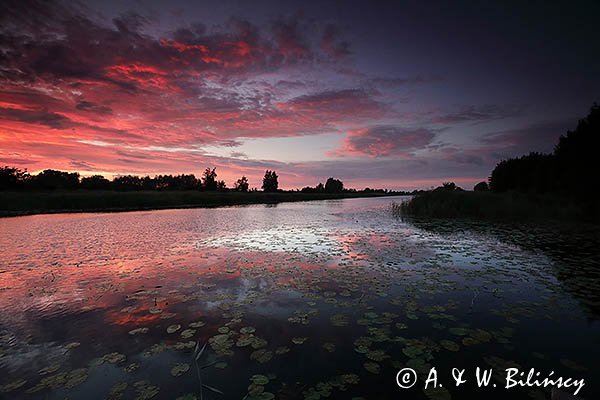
(397, 82)
(92, 107)
(541, 137)
(39, 117)
(291, 44)
(81, 165)
(74, 46)
(381, 141)
(477, 157)
(483, 113)
(354, 103)
(332, 45)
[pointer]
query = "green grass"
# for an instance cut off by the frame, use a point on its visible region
(21, 203)
(504, 206)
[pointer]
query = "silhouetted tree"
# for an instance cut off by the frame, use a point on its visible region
(270, 183)
(533, 173)
(567, 171)
(12, 178)
(449, 187)
(209, 179)
(221, 185)
(576, 153)
(129, 182)
(317, 189)
(95, 182)
(176, 182)
(241, 185)
(481, 187)
(51, 179)
(334, 186)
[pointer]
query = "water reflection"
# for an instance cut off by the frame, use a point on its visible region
(305, 300)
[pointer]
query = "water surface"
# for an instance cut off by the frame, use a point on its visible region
(313, 300)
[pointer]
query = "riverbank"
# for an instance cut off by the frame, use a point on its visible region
(497, 206)
(27, 203)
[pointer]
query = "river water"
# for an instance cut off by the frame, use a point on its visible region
(311, 300)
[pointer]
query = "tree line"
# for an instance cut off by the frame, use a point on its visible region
(12, 178)
(570, 170)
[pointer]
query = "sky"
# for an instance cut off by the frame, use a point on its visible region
(397, 95)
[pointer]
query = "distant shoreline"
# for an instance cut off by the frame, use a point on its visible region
(14, 204)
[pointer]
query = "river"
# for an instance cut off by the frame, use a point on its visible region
(310, 300)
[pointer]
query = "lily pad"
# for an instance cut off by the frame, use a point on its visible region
(188, 333)
(180, 369)
(262, 356)
(299, 340)
(138, 331)
(450, 345)
(372, 367)
(259, 379)
(247, 330)
(132, 367)
(145, 390)
(9, 387)
(330, 347)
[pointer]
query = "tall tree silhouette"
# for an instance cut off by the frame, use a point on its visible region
(270, 182)
(209, 179)
(12, 178)
(481, 187)
(568, 171)
(576, 156)
(95, 182)
(241, 185)
(334, 186)
(50, 179)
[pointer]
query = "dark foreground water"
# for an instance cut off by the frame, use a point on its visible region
(315, 300)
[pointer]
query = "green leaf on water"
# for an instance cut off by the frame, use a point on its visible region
(259, 379)
(138, 331)
(262, 356)
(450, 345)
(458, 331)
(145, 390)
(299, 340)
(412, 351)
(14, 385)
(180, 369)
(330, 347)
(132, 367)
(372, 367)
(188, 333)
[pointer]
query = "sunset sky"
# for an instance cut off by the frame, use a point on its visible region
(399, 95)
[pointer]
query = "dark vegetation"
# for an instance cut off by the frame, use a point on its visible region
(559, 185)
(39, 202)
(58, 191)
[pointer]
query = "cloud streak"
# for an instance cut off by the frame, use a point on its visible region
(382, 141)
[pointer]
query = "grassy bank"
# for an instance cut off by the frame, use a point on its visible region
(24, 203)
(504, 206)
